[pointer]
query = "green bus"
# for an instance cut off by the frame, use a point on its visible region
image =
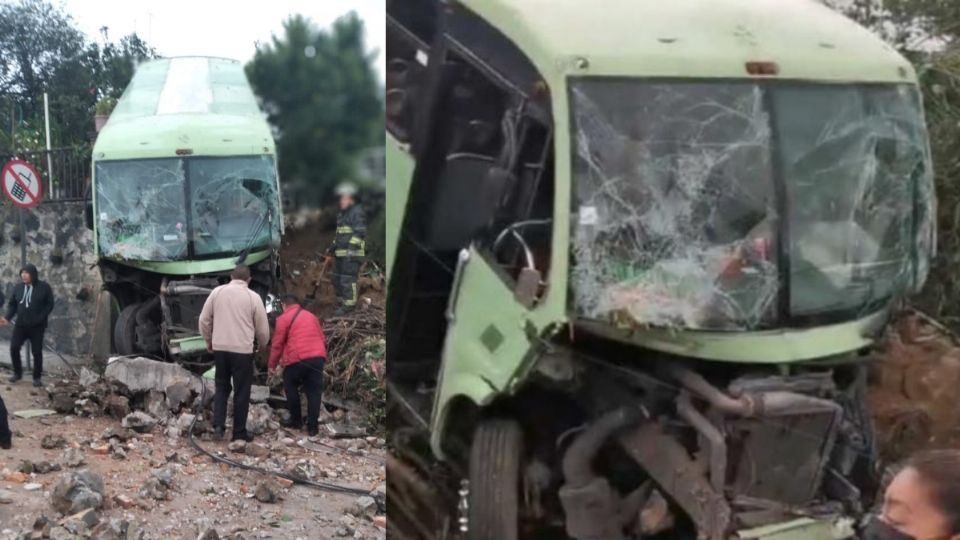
(638, 254)
(184, 187)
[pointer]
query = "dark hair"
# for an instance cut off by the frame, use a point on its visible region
(242, 271)
(290, 299)
(940, 469)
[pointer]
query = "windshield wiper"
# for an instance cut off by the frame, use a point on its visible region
(242, 254)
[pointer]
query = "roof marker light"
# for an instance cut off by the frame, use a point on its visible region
(184, 151)
(762, 68)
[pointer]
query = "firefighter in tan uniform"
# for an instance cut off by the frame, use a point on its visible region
(348, 249)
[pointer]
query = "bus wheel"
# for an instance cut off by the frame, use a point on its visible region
(494, 491)
(125, 330)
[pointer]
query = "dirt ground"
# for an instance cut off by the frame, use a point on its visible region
(913, 388)
(206, 494)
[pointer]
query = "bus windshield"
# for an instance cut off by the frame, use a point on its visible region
(179, 209)
(686, 190)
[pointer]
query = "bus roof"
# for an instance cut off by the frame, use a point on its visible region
(199, 103)
(694, 38)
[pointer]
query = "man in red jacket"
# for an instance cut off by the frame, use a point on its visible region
(300, 347)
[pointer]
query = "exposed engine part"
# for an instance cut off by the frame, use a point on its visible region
(655, 517)
(716, 444)
(591, 505)
(816, 383)
(669, 464)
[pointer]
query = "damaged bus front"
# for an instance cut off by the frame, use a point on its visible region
(644, 255)
(184, 186)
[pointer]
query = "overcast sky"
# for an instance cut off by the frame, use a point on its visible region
(218, 27)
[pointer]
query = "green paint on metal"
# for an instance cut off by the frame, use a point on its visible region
(189, 344)
(802, 529)
(210, 373)
(768, 347)
(187, 268)
(400, 168)
(491, 338)
(685, 38)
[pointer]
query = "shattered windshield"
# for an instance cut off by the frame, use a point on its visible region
(142, 207)
(141, 210)
(684, 192)
(230, 198)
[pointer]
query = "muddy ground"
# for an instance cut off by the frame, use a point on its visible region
(206, 494)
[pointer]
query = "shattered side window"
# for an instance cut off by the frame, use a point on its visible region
(141, 209)
(852, 158)
(229, 199)
(675, 222)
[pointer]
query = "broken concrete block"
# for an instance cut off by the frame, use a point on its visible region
(259, 394)
(237, 446)
(26, 467)
(62, 403)
(77, 491)
(60, 533)
(88, 377)
(153, 488)
(114, 529)
(117, 406)
(208, 534)
(143, 374)
(268, 491)
(87, 407)
(74, 457)
(119, 434)
(257, 451)
(43, 467)
(178, 395)
(185, 421)
(6, 497)
(344, 431)
(81, 522)
(139, 421)
(51, 441)
(364, 506)
(32, 486)
(155, 404)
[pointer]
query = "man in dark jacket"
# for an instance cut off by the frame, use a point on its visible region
(31, 304)
(348, 249)
(300, 347)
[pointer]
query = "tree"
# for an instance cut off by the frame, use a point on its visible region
(322, 97)
(41, 50)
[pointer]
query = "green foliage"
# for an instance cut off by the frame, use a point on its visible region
(105, 106)
(42, 50)
(322, 96)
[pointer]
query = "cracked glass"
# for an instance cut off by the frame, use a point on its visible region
(233, 203)
(141, 210)
(678, 186)
(142, 207)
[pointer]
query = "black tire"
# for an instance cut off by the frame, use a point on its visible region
(125, 330)
(494, 500)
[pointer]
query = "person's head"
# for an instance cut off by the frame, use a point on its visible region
(241, 272)
(290, 300)
(28, 274)
(347, 194)
(923, 500)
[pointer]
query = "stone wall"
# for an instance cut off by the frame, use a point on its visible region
(61, 246)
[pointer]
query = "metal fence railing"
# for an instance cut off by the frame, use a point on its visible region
(65, 171)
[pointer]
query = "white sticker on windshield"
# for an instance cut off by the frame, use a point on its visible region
(588, 215)
(103, 216)
(169, 238)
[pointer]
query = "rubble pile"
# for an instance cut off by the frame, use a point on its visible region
(356, 345)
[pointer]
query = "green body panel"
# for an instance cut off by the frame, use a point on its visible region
(692, 38)
(189, 345)
(769, 347)
(802, 529)
(188, 268)
(400, 166)
(487, 351)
